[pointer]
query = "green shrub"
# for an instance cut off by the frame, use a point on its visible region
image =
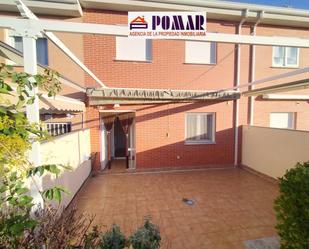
(113, 239)
(146, 237)
(292, 208)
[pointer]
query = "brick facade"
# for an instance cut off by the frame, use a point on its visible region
(156, 149)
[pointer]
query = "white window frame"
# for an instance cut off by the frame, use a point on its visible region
(293, 120)
(202, 63)
(148, 51)
(285, 64)
(197, 142)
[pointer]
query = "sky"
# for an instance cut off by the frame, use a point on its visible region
(298, 4)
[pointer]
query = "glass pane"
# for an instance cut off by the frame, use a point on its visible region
(42, 51)
(210, 127)
(278, 56)
(213, 53)
(148, 50)
(18, 43)
(291, 56)
(203, 128)
(191, 127)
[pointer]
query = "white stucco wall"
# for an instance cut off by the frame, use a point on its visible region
(272, 151)
(71, 149)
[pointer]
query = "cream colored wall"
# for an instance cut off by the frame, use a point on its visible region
(272, 151)
(61, 62)
(71, 149)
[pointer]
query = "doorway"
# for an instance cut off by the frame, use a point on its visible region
(117, 139)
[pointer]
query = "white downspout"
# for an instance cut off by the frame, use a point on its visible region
(236, 122)
(252, 75)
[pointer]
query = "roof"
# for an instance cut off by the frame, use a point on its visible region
(219, 10)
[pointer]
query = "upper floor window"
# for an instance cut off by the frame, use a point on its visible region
(133, 49)
(41, 48)
(284, 120)
(200, 52)
(285, 56)
(200, 128)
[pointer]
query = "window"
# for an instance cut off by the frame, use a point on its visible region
(55, 129)
(285, 56)
(200, 52)
(41, 48)
(200, 128)
(284, 120)
(133, 49)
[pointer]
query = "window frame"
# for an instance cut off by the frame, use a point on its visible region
(285, 64)
(201, 142)
(293, 120)
(202, 63)
(11, 41)
(148, 42)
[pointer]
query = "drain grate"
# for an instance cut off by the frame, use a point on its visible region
(189, 202)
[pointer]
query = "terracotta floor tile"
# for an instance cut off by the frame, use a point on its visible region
(230, 206)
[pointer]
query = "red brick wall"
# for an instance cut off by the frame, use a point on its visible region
(156, 149)
(168, 70)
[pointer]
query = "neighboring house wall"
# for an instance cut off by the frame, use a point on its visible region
(272, 151)
(57, 60)
(264, 68)
(72, 149)
(60, 62)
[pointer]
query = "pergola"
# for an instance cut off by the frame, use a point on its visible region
(30, 27)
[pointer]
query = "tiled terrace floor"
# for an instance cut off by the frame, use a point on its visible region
(232, 205)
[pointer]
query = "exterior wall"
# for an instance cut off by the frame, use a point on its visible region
(264, 69)
(62, 63)
(71, 149)
(168, 70)
(156, 149)
(272, 151)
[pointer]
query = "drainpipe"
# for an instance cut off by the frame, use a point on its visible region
(236, 103)
(252, 70)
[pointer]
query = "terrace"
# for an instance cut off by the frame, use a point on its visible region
(230, 205)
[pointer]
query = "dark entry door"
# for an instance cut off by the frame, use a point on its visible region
(119, 139)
